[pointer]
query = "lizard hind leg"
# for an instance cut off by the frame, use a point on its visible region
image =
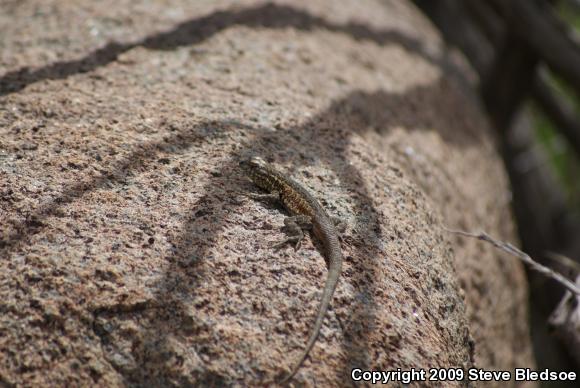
(293, 227)
(339, 224)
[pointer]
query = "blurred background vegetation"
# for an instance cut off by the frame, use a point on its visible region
(527, 56)
(564, 161)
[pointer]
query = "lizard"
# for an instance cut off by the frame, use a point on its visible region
(305, 211)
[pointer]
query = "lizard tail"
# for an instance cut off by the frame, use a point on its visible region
(331, 282)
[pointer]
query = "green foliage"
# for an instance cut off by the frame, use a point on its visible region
(569, 13)
(564, 161)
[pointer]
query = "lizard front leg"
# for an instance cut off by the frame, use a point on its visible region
(274, 196)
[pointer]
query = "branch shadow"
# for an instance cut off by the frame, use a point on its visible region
(197, 30)
(116, 174)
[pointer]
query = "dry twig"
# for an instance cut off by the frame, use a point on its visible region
(508, 248)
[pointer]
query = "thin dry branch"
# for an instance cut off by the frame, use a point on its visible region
(572, 268)
(508, 248)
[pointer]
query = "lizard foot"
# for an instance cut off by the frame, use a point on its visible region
(340, 226)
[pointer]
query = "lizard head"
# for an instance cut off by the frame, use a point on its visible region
(255, 162)
(257, 169)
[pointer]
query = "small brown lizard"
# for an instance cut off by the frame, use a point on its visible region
(304, 209)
